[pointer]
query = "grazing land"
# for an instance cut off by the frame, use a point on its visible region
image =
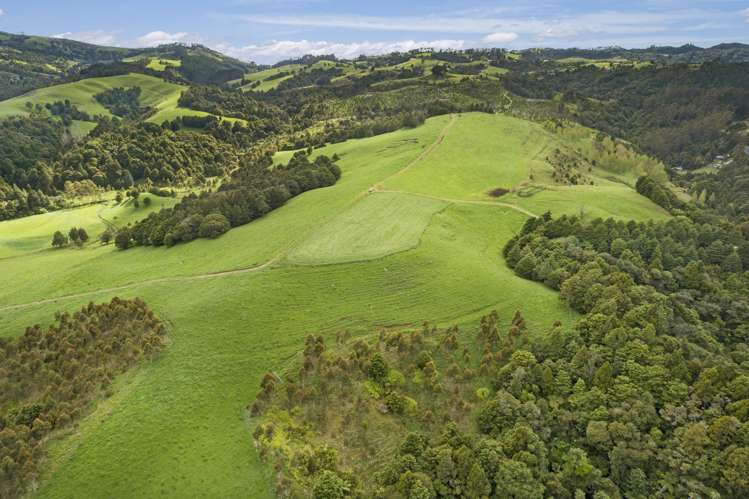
(340, 258)
(156, 93)
(180, 227)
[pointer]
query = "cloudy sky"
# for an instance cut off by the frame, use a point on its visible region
(269, 30)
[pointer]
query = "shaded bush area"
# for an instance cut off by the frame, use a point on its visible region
(26, 180)
(67, 112)
(122, 102)
(118, 155)
(204, 66)
(254, 190)
(658, 193)
(678, 113)
(25, 142)
(235, 104)
(237, 134)
(49, 378)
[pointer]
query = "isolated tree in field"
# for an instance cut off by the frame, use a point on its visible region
(59, 239)
(83, 235)
(73, 235)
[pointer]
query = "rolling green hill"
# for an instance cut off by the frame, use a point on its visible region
(28, 62)
(407, 234)
(158, 94)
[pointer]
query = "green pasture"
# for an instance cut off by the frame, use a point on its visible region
(378, 225)
(81, 93)
(346, 257)
(156, 93)
(31, 234)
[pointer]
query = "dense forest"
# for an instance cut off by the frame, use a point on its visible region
(118, 155)
(26, 180)
(49, 378)
(39, 162)
(122, 102)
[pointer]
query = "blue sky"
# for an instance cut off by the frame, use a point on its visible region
(266, 31)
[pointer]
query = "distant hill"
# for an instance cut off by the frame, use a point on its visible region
(691, 54)
(30, 62)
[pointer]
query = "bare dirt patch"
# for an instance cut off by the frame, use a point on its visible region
(498, 192)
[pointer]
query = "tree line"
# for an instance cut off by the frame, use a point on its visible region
(255, 189)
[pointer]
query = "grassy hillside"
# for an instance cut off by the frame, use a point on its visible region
(156, 93)
(268, 78)
(345, 257)
(81, 93)
(28, 234)
(482, 152)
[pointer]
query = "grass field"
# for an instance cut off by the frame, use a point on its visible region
(379, 225)
(81, 93)
(344, 257)
(262, 77)
(30, 234)
(156, 93)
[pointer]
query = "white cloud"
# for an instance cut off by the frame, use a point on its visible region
(539, 28)
(155, 38)
(500, 37)
(745, 13)
(97, 37)
(2, 12)
(284, 49)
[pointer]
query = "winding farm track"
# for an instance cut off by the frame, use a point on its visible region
(497, 204)
(424, 154)
(196, 277)
(284, 251)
